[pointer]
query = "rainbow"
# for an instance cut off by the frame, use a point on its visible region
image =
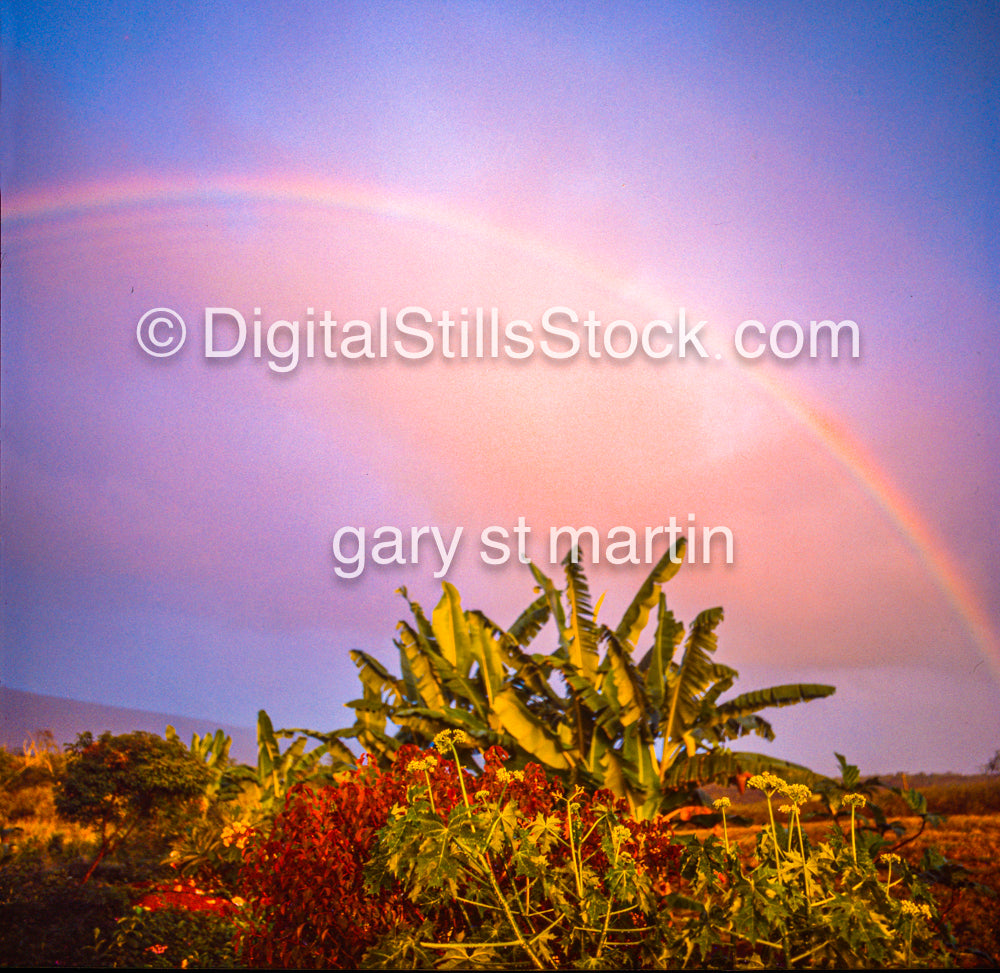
(859, 464)
(73, 202)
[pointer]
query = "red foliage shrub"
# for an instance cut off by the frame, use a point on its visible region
(304, 881)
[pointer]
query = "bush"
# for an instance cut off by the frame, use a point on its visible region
(47, 918)
(521, 873)
(426, 866)
(169, 939)
(304, 883)
(845, 903)
(364, 872)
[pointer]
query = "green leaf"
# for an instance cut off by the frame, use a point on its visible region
(580, 634)
(530, 622)
(785, 695)
(451, 629)
(490, 656)
(637, 614)
(723, 766)
(375, 677)
(622, 684)
(418, 673)
(694, 675)
(522, 725)
(656, 662)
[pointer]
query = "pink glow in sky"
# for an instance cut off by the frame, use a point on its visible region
(168, 522)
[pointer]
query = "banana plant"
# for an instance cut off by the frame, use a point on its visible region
(652, 731)
(212, 750)
(240, 795)
(278, 770)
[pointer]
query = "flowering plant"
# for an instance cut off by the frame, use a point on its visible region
(426, 863)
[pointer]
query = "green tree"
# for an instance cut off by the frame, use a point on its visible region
(116, 783)
(651, 731)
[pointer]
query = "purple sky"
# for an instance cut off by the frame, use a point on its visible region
(168, 522)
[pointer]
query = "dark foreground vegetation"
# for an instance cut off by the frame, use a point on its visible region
(416, 867)
(569, 809)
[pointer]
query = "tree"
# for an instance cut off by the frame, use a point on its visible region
(993, 764)
(116, 783)
(651, 731)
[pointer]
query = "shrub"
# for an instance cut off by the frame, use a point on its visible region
(168, 938)
(427, 866)
(844, 903)
(520, 872)
(369, 870)
(47, 918)
(304, 884)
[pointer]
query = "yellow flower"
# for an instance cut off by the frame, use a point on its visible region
(855, 800)
(766, 782)
(798, 793)
(721, 802)
(428, 762)
(914, 909)
(448, 738)
(235, 834)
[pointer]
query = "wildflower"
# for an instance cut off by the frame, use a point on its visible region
(235, 834)
(766, 782)
(788, 808)
(914, 909)
(450, 738)
(427, 763)
(890, 859)
(854, 801)
(505, 776)
(798, 794)
(159, 948)
(721, 802)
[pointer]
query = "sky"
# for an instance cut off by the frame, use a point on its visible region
(180, 522)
